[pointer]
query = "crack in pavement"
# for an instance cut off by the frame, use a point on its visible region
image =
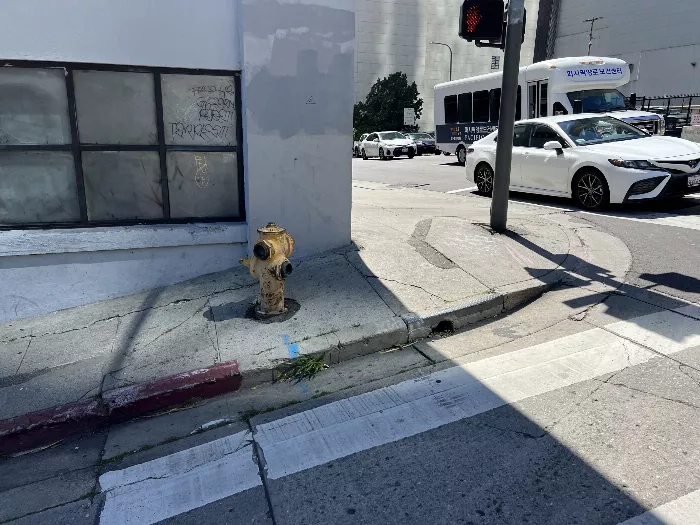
(679, 401)
(119, 316)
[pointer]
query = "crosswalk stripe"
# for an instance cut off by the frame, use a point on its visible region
(174, 484)
(339, 429)
(470, 188)
(691, 222)
(168, 486)
(682, 511)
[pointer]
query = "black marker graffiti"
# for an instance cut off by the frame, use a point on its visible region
(223, 91)
(201, 131)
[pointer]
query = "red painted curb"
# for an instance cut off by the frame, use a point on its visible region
(47, 426)
(132, 401)
(53, 424)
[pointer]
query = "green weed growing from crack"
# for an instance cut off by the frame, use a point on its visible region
(302, 368)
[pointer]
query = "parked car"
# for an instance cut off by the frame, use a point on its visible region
(424, 142)
(356, 145)
(592, 158)
(386, 145)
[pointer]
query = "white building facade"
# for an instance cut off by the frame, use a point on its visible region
(660, 40)
(143, 143)
(395, 35)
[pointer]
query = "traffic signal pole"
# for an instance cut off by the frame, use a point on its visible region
(506, 120)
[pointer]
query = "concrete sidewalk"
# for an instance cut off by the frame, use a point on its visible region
(419, 261)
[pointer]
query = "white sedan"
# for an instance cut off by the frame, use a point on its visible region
(594, 159)
(387, 144)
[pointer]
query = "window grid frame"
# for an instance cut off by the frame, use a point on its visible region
(76, 148)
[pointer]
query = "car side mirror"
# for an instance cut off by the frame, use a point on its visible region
(553, 145)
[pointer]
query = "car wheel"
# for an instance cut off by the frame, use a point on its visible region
(364, 155)
(591, 191)
(446, 153)
(483, 176)
(411, 154)
(462, 155)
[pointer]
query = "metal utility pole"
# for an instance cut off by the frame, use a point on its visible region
(448, 47)
(506, 120)
(590, 37)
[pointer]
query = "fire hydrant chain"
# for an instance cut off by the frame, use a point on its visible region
(270, 265)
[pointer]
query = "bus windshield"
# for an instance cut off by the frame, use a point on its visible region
(600, 100)
(599, 130)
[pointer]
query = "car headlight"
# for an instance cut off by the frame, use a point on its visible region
(635, 164)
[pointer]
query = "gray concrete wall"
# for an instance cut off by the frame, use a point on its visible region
(298, 76)
(661, 39)
(395, 35)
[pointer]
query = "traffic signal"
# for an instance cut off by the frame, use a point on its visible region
(482, 20)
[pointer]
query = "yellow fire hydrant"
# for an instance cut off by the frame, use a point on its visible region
(270, 265)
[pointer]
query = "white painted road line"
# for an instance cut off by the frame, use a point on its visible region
(682, 511)
(171, 485)
(312, 438)
(168, 486)
(470, 188)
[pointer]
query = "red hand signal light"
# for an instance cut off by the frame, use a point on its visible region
(473, 18)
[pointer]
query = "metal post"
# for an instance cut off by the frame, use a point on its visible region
(590, 36)
(448, 47)
(506, 120)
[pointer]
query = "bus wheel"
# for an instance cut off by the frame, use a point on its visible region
(462, 155)
(483, 176)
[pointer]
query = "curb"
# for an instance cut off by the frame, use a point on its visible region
(36, 429)
(30, 431)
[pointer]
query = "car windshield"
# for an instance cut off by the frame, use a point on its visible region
(420, 136)
(600, 100)
(391, 135)
(599, 130)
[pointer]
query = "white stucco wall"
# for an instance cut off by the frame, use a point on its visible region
(43, 271)
(395, 35)
(297, 119)
(661, 39)
(298, 77)
(166, 33)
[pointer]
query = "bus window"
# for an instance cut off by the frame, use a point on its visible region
(481, 106)
(451, 109)
(465, 108)
(559, 109)
(543, 99)
(495, 104)
(518, 108)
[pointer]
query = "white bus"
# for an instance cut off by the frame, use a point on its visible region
(467, 110)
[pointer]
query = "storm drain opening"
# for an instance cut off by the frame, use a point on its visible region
(444, 328)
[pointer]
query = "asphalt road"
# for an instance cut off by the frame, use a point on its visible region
(664, 237)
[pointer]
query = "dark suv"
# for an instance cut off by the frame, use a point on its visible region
(424, 142)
